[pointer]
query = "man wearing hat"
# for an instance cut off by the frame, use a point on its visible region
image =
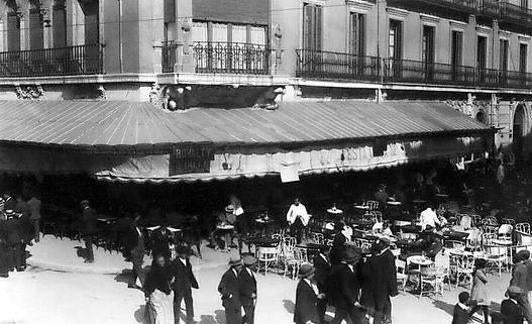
(184, 282)
(519, 279)
(382, 280)
(345, 288)
(307, 295)
(511, 311)
(89, 228)
(229, 288)
(381, 195)
(134, 251)
(248, 288)
(323, 269)
(15, 241)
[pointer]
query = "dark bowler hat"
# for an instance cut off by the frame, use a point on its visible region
(249, 260)
(84, 202)
(182, 249)
(523, 255)
(306, 270)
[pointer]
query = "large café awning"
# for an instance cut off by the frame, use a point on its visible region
(124, 141)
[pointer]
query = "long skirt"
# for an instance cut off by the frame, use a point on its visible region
(160, 308)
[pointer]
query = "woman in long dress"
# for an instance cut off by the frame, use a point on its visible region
(158, 292)
(479, 291)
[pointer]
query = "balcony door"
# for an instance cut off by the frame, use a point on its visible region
(395, 48)
(457, 44)
(503, 61)
(523, 62)
(357, 42)
(428, 52)
(482, 48)
(312, 28)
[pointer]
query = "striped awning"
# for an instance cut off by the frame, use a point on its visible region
(105, 125)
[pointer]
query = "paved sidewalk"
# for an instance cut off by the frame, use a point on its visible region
(52, 253)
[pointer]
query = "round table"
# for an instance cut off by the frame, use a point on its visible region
(421, 261)
(335, 211)
(361, 207)
(502, 242)
(394, 203)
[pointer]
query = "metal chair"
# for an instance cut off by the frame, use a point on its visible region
(523, 228)
(372, 205)
(464, 265)
(402, 277)
(267, 256)
(497, 255)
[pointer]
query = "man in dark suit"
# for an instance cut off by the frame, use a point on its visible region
(383, 281)
(135, 249)
(248, 288)
(511, 311)
(14, 241)
(183, 284)
(345, 288)
(338, 244)
(323, 269)
(89, 227)
(461, 310)
(160, 242)
(230, 291)
(307, 295)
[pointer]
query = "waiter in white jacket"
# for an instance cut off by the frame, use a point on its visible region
(297, 218)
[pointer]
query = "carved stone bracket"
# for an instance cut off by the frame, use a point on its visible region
(156, 95)
(102, 93)
(29, 92)
(23, 7)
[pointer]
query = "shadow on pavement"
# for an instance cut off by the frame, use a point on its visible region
(124, 277)
(446, 307)
(289, 306)
(81, 252)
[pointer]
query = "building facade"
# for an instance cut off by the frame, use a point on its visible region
(473, 54)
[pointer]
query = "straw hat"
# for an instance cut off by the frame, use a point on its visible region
(306, 270)
(249, 260)
(235, 262)
(514, 290)
(351, 256)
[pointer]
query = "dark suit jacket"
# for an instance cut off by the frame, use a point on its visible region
(134, 244)
(322, 271)
(383, 275)
(160, 243)
(306, 301)
(184, 277)
(344, 286)
(12, 230)
(528, 264)
(230, 290)
(512, 312)
(338, 248)
(460, 315)
(89, 219)
(247, 287)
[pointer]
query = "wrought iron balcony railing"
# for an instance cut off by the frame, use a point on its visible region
(234, 58)
(72, 60)
(314, 64)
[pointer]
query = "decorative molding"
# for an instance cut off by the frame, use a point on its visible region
(504, 34)
(23, 8)
(396, 13)
(29, 92)
(524, 38)
(156, 96)
(429, 19)
(316, 2)
(359, 5)
(457, 25)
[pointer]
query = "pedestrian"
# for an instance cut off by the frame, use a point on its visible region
(184, 282)
(479, 291)
(15, 241)
(160, 242)
(89, 229)
(34, 206)
(339, 243)
(158, 292)
(4, 250)
(520, 278)
(307, 296)
(323, 269)
(297, 218)
(383, 281)
(135, 248)
(230, 291)
(461, 310)
(511, 311)
(346, 289)
(248, 288)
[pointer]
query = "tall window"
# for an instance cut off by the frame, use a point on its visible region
(503, 58)
(312, 19)
(36, 28)
(13, 32)
(59, 25)
(524, 4)
(357, 33)
(482, 48)
(523, 57)
(428, 45)
(395, 40)
(457, 41)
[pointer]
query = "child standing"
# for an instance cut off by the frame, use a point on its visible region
(479, 292)
(461, 310)
(511, 311)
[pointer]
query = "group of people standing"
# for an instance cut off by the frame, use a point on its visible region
(19, 226)
(357, 285)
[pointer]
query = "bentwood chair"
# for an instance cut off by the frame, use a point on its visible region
(523, 228)
(267, 256)
(464, 265)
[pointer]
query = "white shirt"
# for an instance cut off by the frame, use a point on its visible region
(250, 272)
(297, 211)
(429, 217)
(183, 261)
(462, 306)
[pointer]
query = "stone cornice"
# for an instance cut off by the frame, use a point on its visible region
(397, 13)
(429, 19)
(358, 5)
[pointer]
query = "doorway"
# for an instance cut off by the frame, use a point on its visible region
(519, 129)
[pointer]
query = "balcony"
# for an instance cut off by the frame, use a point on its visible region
(325, 65)
(232, 58)
(445, 8)
(72, 60)
(514, 15)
